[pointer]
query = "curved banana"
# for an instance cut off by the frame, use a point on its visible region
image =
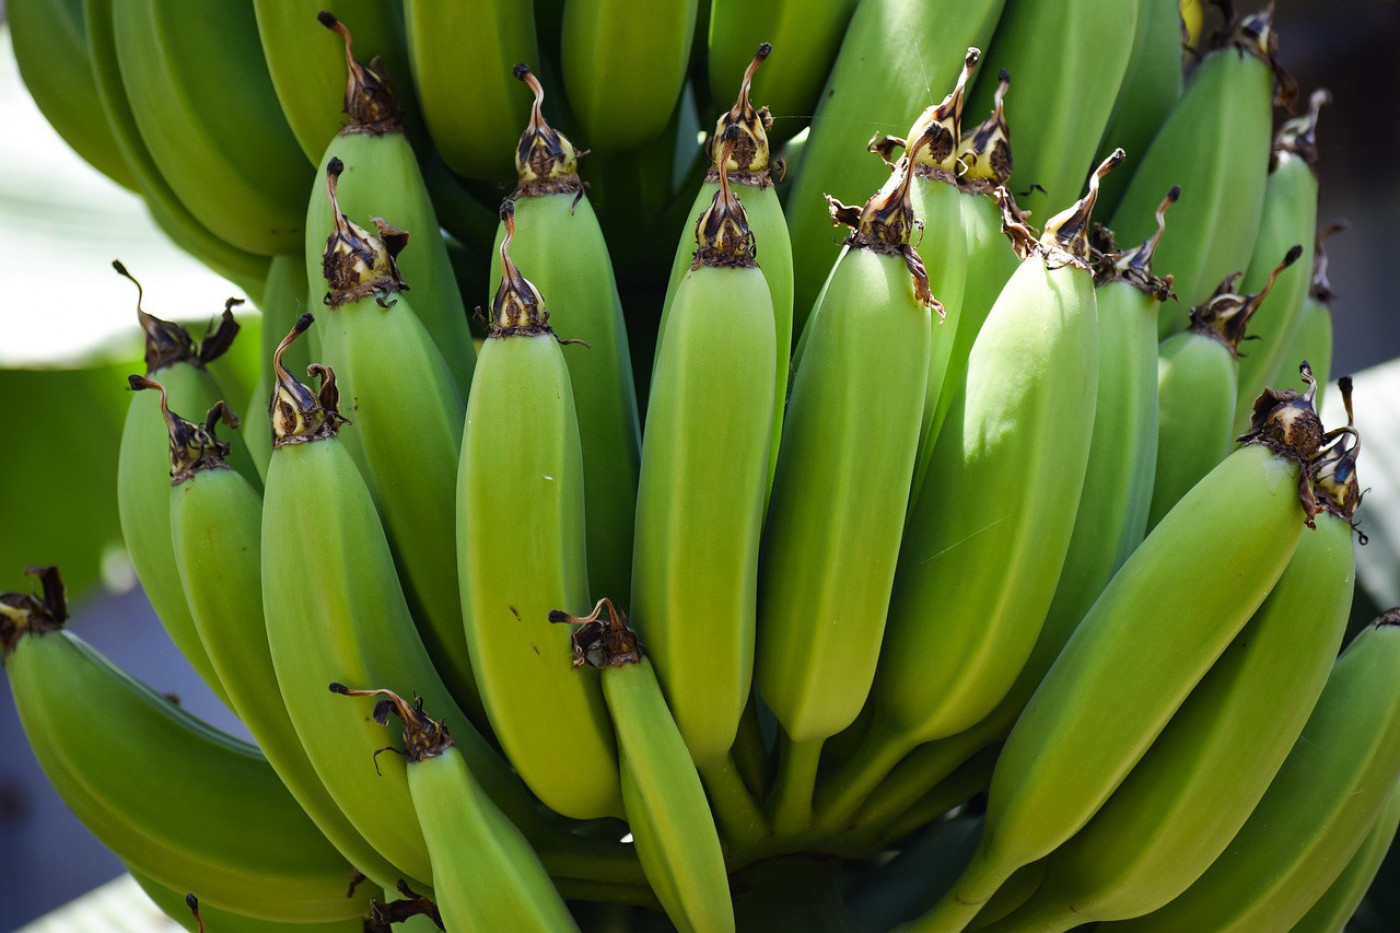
(520, 492)
(751, 176)
(972, 587)
(558, 239)
(1069, 59)
(180, 801)
(216, 526)
(461, 55)
(51, 50)
(381, 179)
(191, 916)
(623, 63)
(672, 827)
(306, 68)
(406, 417)
(1136, 656)
(809, 35)
(1180, 806)
(831, 542)
(208, 114)
(1197, 376)
(1318, 811)
(1215, 145)
(488, 877)
(144, 464)
(1290, 216)
(873, 87)
(1339, 903)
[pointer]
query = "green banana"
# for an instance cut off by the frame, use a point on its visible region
(488, 876)
(305, 63)
(1135, 656)
(1214, 144)
(1197, 378)
(406, 427)
(1184, 801)
(1313, 339)
(332, 602)
(182, 802)
(186, 910)
(695, 554)
(461, 55)
(520, 496)
(873, 87)
(809, 35)
(1332, 911)
(165, 206)
(1150, 88)
(558, 239)
(221, 142)
(623, 63)
(672, 826)
(830, 543)
(51, 50)
(1070, 58)
(1317, 812)
(283, 301)
(752, 174)
(1290, 216)
(216, 526)
(144, 463)
(381, 179)
(1017, 444)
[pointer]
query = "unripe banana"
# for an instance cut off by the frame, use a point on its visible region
(558, 239)
(1290, 216)
(1136, 656)
(1215, 145)
(520, 492)
(488, 877)
(283, 301)
(672, 827)
(1197, 376)
(182, 802)
(1017, 444)
(1313, 339)
(178, 907)
(1332, 911)
(830, 545)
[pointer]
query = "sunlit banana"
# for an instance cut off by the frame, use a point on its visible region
(1136, 656)
(671, 823)
(488, 877)
(558, 240)
(180, 801)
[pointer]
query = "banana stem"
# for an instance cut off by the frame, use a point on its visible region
(751, 750)
(740, 822)
(838, 799)
(908, 786)
(606, 892)
(790, 805)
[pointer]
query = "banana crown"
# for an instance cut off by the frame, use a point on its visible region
(546, 162)
(1225, 315)
(167, 343)
(1298, 137)
(748, 163)
(1286, 422)
(1334, 474)
(984, 156)
(193, 447)
(423, 736)
(722, 231)
(942, 123)
(356, 263)
(23, 613)
(1133, 266)
(518, 307)
(369, 92)
(1066, 237)
(300, 416)
(599, 642)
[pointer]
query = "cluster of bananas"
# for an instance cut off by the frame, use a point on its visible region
(1012, 598)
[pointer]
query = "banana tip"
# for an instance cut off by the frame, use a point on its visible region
(327, 18)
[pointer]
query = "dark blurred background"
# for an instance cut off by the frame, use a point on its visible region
(1348, 46)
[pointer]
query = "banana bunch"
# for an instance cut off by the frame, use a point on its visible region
(725, 570)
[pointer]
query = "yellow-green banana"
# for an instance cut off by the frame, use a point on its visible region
(1337, 905)
(558, 239)
(672, 826)
(180, 801)
(1313, 339)
(521, 552)
(488, 877)
(1136, 656)
(191, 914)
